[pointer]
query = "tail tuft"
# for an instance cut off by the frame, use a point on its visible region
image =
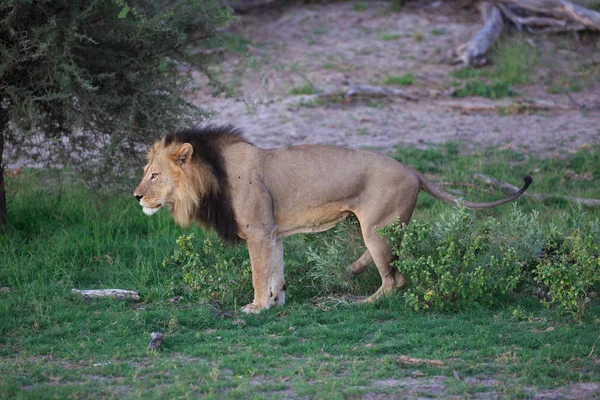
(528, 180)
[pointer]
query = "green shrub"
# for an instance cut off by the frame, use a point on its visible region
(457, 262)
(216, 273)
(571, 273)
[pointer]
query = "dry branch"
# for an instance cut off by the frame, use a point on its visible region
(560, 9)
(475, 49)
(103, 293)
(416, 361)
(357, 90)
(525, 105)
(536, 16)
(511, 189)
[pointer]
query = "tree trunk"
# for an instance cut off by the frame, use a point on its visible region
(3, 126)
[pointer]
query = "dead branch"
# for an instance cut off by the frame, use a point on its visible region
(536, 16)
(358, 90)
(511, 189)
(416, 361)
(119, 294)
(514, 107)
(560, 9)
(475, 49)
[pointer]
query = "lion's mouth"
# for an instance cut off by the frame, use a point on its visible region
(151, 210)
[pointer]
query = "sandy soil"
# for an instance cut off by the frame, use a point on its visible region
(329, 46)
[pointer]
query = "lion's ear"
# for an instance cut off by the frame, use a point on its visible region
(183, 155)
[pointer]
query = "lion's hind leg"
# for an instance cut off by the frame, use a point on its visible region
(361, 265)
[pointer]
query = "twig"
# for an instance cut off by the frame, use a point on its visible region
(416, 361)
(376, 91)
(511, 189)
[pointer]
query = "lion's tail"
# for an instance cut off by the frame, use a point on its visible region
(435, 191)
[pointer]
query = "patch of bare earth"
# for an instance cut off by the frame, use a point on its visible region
(329, 46)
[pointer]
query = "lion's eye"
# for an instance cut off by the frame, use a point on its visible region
(154, 175)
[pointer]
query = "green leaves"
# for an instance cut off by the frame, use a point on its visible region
(454, 263)
(215, 272)
(571, 274)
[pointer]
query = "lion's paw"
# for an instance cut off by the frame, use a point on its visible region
(252, 308)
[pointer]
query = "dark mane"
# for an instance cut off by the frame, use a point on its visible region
(215, 211)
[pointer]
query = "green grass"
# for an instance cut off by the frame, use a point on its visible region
(389, 36)
(404, 80)
(54, 345)
(514, 64)
(494, 90)
(304, 89)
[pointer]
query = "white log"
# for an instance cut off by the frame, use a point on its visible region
(103, 293)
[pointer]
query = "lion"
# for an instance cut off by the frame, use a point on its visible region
(215, 177)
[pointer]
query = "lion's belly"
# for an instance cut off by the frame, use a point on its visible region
(309, 221)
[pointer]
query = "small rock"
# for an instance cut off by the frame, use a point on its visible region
(239, 322)
(219, 338)
(157, 340)
(175, 299)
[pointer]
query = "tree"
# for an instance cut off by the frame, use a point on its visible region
(86, 82)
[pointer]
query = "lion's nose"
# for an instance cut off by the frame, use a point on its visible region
(138, 197)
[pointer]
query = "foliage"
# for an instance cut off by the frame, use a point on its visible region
(86, 83)
(571, 272)
(53, 345)
(514, 63)
(329, 255)
(216, 273)
(404, 80)
(455, 263)
(494, 90)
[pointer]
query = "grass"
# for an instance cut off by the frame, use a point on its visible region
(515, 62)
(303, 89)
(389, 36)
(404, 80)
(53, 345)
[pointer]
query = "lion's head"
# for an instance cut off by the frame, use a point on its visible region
(173, 179)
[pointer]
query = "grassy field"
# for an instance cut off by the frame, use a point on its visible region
(320, 345)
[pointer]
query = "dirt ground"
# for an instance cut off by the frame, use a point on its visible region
(329, 46)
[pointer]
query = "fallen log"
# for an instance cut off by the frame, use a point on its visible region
(119, 294)
(511, 189)
(536, 16)
(473, 52)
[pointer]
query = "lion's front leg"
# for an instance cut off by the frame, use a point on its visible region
(266, 257)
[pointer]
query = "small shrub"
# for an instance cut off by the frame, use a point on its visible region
(216, 273)
(456, 262)
(572, 272)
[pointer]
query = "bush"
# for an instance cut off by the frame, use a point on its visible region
(572, 272)
(216, 273)
(456, 262)
(329, 255)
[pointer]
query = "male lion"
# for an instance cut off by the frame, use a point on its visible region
(215, 177)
